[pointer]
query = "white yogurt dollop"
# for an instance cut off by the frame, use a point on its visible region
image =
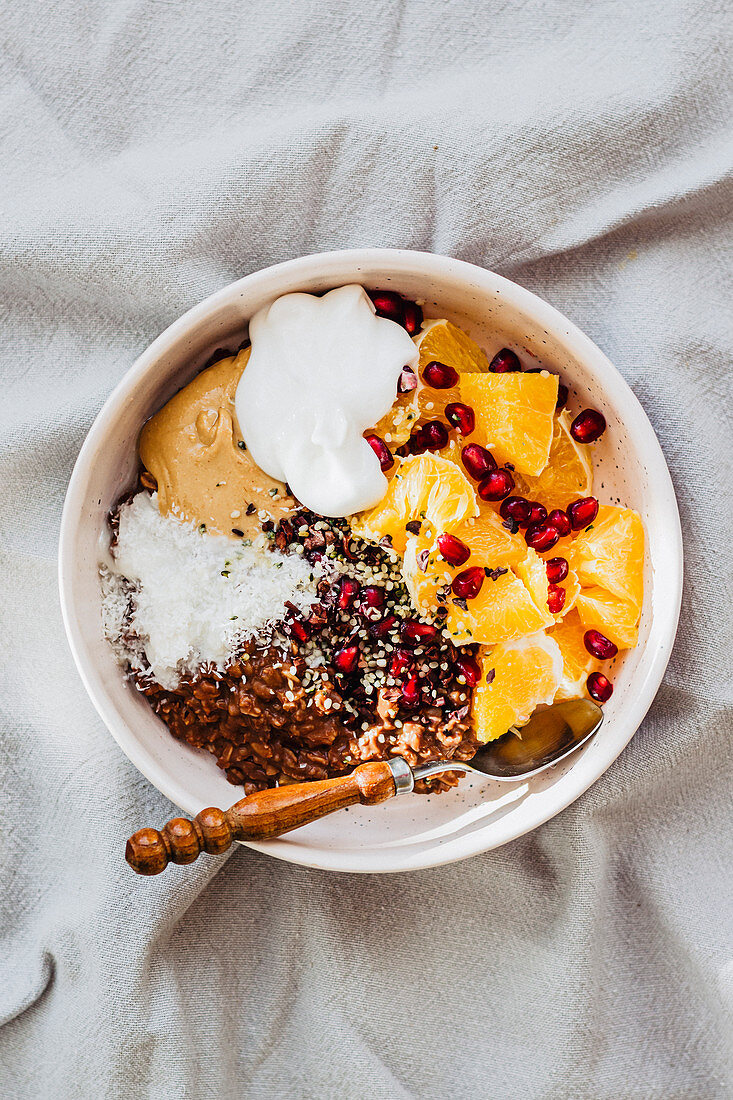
(321, 371)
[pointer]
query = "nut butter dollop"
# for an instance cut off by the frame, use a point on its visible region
(193, 448)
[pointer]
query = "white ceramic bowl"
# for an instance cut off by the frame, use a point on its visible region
(413, 831)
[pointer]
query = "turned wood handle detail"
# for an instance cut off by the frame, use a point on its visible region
(260, 816)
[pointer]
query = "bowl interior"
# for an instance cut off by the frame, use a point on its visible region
(415, 830)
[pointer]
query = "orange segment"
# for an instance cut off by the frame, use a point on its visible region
(534, 574)
(503, 610)
(568, 474)
(425, 487)
(425, 573)
(514, 416)
(489, 541)
(525, 673)
(490, 545)
(442, 341)
(577, 661)
(532, 571)
(571, 584)
(615, 618)
(610, 554)
(448, 344)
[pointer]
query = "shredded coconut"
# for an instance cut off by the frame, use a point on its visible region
(177, 597)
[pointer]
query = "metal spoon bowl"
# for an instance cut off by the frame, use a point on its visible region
(548, 737)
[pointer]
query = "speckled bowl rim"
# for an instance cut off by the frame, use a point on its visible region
(652, 664)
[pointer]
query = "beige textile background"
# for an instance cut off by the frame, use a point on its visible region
(154, 150)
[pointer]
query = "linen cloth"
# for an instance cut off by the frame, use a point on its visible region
(151, 153)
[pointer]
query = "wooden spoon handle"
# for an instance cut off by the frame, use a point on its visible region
(260, 816)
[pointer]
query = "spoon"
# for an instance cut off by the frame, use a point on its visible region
(548, 737)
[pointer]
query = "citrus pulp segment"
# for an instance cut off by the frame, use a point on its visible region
(425, 574)
(444, 342)
(514, 416)
(489, 541)
(577, 661)
(424, 488)
(503, 610)
(610, 554)
(532, 571)
(617, 619)
(568, 474)
(516, 677)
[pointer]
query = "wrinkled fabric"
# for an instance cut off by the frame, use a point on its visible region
(151, 153)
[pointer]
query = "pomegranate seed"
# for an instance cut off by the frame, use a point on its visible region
(381, 450)
(541, 537)
(388, 304)
(384, 626)
(582, 512)
(557, 570)
(504, 361)
(598, 645)
(412, 317)
(599, 687)
(588, 426)
(433, 435)
(411, 690)
(461, 416)
(453, 550)
(407, 380)
(400, 662)
(347, 593)
(555, 598)
(300, 630)
(478, 461)
(468, 668)
(414, 631)
(440, 376)
(467, 584)
(372, 596)
(516, 508)
(496, 486)
(537, 514)
(559, 521)
(346, 658)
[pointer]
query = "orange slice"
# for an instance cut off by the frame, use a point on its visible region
(615, 618)
(503, 610)
(534, 574)
(577, 661)
(610, 554)
(568, 474)
(514, 416)
(489, 541)
(532, 571)
(424, 487)
(425, 573)
(571, 584)
(442, 341)
(526, 673)
(446, 343)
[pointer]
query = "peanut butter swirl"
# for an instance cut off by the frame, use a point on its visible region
(194, 449)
